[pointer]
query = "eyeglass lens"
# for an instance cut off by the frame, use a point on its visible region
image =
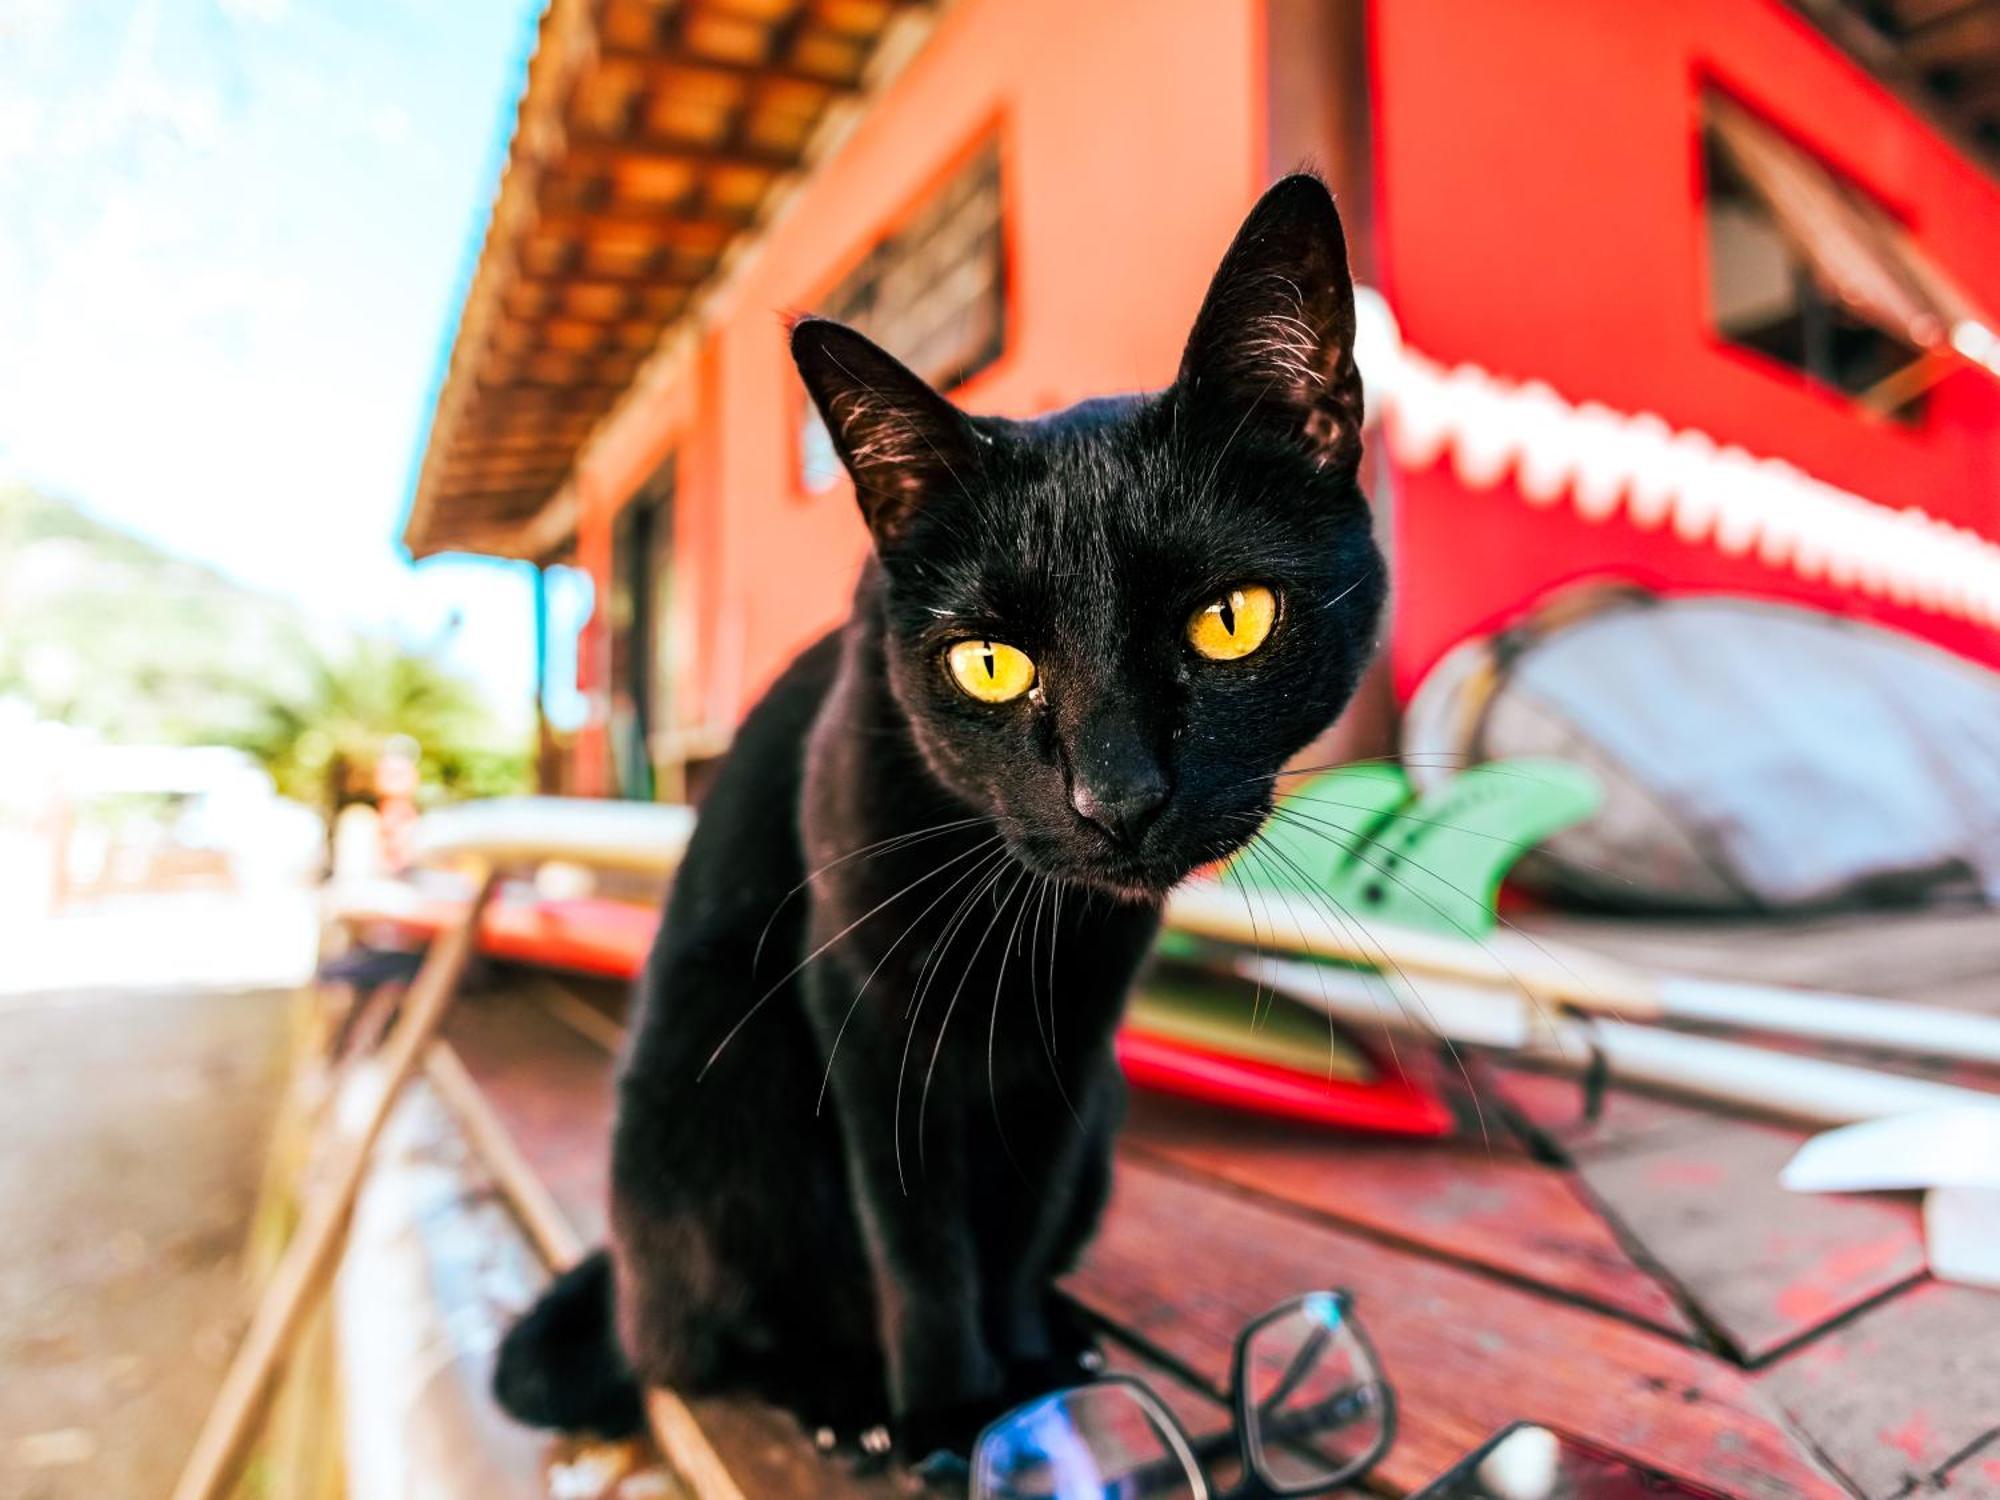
(1315, 1401)
(1097, 1442)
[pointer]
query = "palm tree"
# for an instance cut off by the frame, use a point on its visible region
(321, 744)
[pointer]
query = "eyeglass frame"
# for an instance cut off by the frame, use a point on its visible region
(1193, 1452)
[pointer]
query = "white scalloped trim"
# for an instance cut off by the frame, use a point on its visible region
(1599, 460)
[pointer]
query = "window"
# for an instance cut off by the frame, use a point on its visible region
(933, 293)
(1807, 269)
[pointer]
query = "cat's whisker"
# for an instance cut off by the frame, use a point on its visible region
(1291, 799)
(993, 1023)
(880, 846)
(1330, 603)
(926, 976)
(969, 873)
(1256, 941)
(1257, 937)
(951, 1007)
(1410, 992)
(927, 973)
(1336, 915)
(1305, 820)
(1045, 885)
(1325, 1004)
(799, 967)
(1423, 758)
(1055, 934)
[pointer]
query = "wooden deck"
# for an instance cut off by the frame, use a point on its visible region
(1640, 1280)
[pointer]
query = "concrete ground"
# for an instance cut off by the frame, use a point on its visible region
(136, 1105)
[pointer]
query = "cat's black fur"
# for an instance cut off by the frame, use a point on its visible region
(867, 1112)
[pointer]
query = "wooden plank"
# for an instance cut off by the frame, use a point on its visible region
(434, 1269)
(1699, 1192)
(1903, 1391)
(1490, 1209)
(314, 1248)
(1184, 1265)
(599, 151)
(541, 1105)
(662, 226)
(767, 1454)
(664, 69)
(504, 394)
(1974, 1475)
(1766, 1267)
(1552, 1109)
(548, 1228)
(552, 1090)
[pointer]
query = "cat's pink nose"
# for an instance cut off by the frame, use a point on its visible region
(1124, 810)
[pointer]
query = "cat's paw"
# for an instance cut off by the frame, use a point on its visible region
(923, 1435)
(1073, 1357)
(1074, 1338)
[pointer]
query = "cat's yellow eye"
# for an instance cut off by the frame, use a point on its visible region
(1235, 624)
(991, 671)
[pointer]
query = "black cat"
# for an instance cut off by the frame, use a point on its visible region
(866, 1117)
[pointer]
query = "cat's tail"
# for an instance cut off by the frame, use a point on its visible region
(561, 1365)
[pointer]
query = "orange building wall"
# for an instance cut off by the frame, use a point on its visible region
(1130, 133)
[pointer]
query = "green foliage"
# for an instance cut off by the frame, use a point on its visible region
(321, 745)
(102, 629)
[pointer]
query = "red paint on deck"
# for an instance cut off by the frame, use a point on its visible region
(1828, 1288)
(1686, 1174)
(1914, 1438)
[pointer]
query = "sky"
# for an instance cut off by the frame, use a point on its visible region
(233, 240)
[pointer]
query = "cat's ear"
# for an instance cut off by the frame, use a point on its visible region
(900, 440)
(1274, 343)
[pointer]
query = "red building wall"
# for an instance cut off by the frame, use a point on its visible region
(1539, 183)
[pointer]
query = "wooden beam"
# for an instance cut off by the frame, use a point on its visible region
(1978, 96)
(632, 297)
(483, 482)
(521, 423)
(598, 150)
(491, 481)
(665, 226)
(496, 508)
(638, 277)
(466, 456)
(548, 395)
(532, 333)
(556, 424)
(513, 438)
(662, 67)
(554, 371)
(1953, 39)
(501, 436)
(548, 1229)
(1879, 53)
(506, 484)
(315, 1245)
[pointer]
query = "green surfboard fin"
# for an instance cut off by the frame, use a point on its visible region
(1361, 840)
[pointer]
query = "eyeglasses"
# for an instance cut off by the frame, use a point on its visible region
(1313, 1412)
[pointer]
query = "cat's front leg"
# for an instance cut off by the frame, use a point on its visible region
(1044, 1341)
(916, 1224)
